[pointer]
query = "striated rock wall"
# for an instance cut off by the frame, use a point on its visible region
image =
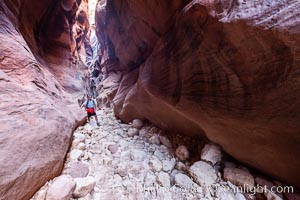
(39, 79)
(223, 70)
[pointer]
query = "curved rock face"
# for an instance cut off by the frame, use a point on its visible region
(37, 86)
(227, 71)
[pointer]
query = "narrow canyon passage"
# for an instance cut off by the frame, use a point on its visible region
(195, 99)
(138, 161)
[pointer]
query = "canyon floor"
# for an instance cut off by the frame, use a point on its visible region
(138, 161)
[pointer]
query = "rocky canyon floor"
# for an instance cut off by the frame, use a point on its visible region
(138, 161)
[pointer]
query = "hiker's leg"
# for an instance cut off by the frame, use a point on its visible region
(88, 118)
(97, 119)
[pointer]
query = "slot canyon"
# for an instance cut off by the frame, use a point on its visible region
(190, 94)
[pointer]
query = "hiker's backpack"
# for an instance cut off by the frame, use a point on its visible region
(87, 102)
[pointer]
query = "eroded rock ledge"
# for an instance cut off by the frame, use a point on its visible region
(228, 71)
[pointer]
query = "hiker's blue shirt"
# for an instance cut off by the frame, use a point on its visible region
(90, 103)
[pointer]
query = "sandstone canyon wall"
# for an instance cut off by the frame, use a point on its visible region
(38, 80)
(223, 70)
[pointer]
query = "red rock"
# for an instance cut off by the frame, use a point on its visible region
(113, 148)
(77, 169)
(226, 71)
(239, 177)
(292, 196)
(68, 4)
(182, 153)
(61, 188)
(37, 86)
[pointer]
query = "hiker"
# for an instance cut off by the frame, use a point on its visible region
(90, 106)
